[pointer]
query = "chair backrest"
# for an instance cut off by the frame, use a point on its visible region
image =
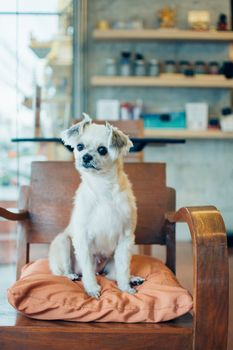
(133, 128)
(49, 200)
(52, 189)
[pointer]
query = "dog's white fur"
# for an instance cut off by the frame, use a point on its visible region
(100, 234)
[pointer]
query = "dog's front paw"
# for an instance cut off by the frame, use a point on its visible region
(93, 290)
(128, 289)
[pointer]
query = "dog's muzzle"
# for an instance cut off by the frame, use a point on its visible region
(87, 161)
(87, 158)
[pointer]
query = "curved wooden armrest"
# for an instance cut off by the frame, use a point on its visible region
(14, 214)
(211, 284)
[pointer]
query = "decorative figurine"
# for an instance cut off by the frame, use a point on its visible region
(167, 17)
(222, 22)
(199, 20)
(103, 25)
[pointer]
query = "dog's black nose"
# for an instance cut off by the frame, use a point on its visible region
(87, 158)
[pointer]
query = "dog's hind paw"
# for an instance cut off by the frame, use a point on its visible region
(74, 277)
(136, 281)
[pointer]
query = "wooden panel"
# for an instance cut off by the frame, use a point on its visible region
(13, 339)
(53, 185)
(28, 334)
(153, 200)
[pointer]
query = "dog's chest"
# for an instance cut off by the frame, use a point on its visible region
(108, 220)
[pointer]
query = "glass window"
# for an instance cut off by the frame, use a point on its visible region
(35, 85)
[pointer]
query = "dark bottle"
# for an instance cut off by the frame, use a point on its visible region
(125, 65)
(222, 22)
(139, 65)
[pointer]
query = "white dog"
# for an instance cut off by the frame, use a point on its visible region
(100, 235)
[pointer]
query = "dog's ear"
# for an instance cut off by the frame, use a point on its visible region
(118, 140)
(69, 136)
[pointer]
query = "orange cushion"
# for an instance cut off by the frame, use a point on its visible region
(41, 295)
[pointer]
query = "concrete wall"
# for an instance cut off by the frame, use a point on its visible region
(201, 171)
(202, 174)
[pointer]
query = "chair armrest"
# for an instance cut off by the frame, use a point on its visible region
(211, 275)
(14, 214)
(22, 212)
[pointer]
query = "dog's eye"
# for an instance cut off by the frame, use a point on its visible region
(102, 150)
(80, 147)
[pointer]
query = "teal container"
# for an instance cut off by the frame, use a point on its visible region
(165, 120)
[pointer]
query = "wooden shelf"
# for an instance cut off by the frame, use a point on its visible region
(161, 34)
(188, 134)
(166, 80)
(169, 80)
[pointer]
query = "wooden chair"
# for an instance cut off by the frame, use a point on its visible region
(44, 210)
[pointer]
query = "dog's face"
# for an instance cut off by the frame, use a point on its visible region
(96, 147)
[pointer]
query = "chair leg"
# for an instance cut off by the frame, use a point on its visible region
(145, 250)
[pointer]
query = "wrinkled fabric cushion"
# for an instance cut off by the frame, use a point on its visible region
(41, 295)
